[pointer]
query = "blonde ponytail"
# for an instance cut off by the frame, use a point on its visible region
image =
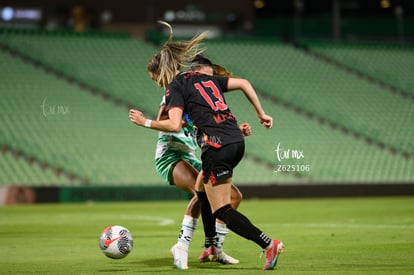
(173, 57)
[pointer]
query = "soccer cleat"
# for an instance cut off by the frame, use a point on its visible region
(272, 254)
(226, 259)
(180, 255)
(209, 254)
(212, 254)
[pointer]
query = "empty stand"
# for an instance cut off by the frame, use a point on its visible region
(387, 63)
(347, 128)
(291, 75)
(65, 127)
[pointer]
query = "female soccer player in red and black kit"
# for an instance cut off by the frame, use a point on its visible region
(200, 94)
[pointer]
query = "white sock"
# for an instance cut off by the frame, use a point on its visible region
(187, 229)
(221, 233)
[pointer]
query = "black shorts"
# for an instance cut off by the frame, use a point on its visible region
(218, 164)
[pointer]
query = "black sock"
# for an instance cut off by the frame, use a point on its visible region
(241, 225)
(209, 221)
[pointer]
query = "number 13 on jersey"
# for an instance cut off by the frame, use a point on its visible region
(213, 97)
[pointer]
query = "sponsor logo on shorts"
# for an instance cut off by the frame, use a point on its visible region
(223, 173)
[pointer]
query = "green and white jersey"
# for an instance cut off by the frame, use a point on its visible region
(174, 147)
(183, 142)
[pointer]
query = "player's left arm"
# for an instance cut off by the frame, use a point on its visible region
(250, 93)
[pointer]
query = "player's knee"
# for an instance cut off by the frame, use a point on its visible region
(236, 195)
(236, 198)
(195, 202)
(194, 206)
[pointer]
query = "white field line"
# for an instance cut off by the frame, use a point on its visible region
(346, 225)
(157, 220)
(162, 221)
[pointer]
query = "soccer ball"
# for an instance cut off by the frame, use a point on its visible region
(116, 242)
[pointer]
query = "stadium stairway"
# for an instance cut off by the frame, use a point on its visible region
(27, 170)
(388, 64)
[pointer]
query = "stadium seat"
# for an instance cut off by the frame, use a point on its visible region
(348, 129)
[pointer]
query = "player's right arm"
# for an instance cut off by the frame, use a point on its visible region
(245, 129)
(172, 124)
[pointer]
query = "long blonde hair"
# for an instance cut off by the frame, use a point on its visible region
(219, 70)
(163, 66)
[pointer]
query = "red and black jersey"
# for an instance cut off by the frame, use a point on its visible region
(201, 97)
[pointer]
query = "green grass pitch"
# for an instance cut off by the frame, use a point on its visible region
(322, 236)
